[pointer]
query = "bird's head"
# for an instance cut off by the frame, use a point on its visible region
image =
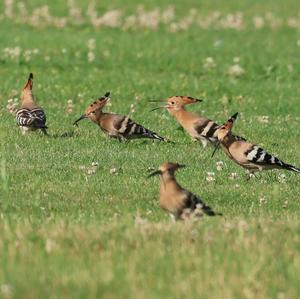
(93, 110)
(225, 130)
(176, 103)
(167, 167)
(27, 89)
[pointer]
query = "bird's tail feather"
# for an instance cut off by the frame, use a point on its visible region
(290, 167)
(209, 211)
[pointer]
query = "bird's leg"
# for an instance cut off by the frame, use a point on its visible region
(203, 141)
(249, 174)
(44, 131)
(173, 218)
(24, 130)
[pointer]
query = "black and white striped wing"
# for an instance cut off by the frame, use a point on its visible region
(194, 202)
(208, 130)
(34, 118)
(129, 129)
(257, 155)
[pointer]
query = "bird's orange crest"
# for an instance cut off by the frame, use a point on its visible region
(29, 83)
(180, 101)
(225, 129)
(98, 104)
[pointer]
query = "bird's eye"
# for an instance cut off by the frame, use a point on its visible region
(172, 103)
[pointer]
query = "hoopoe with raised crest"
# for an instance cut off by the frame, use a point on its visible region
(179, 202)
(250, 156)
(198, 127)
(115, 125)
(30, 116)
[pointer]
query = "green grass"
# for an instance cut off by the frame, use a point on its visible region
(67, 234)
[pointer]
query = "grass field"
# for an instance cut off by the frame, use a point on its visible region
(72, 230)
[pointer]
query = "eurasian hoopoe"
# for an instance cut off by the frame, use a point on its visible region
(248, 155)
(30, 116)
(115, 125)
(179, 202)
(198, 127)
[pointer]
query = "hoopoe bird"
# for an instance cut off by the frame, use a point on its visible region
(115, 125)
(198, 127)
(30, 116)
(179, 202)
(249, 156)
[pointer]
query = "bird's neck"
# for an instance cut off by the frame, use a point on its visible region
(28, 104)
(228, 140)
(182, 116)
(96, 118)
(168, 182)
(27, 100)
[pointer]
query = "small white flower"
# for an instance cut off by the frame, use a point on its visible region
(233, 176)
(285, 204)
(262, 201)
(281, 178)
(132, 109)
(113, 170)
(91, 44)
(209, 63)
(236, 70)
(258, 22)
(49, 245)
(263, 119)
(210, 176)
(220, 165)
(6, 290)
(91, 56)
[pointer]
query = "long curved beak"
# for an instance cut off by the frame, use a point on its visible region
(157, 172)
(79, 119)
(216, 147)
(162, 107)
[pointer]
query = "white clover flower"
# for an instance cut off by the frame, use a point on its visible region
(209, 63)
(262, 201)
(49, 245)
(210, 176)
(258, 22)
(91, 56)
(91, 44)
(263, 119)
(281, 178)
(285, 204)
(236, 70)
(132, 108)
(220, 165)
(6, 290)
(113, 170)
(70, 106)
(233, 176)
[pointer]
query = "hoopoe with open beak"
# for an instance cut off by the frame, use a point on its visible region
(115, 125)
(248, 155)
(179, 202)
(198, 127)
(30, 116)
